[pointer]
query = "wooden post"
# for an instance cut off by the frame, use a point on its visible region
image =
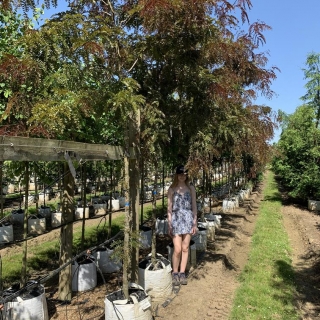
(66, 235)
(25, 228)
(1, 194)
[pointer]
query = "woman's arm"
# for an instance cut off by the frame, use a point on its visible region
(169, 210)
(194, 205)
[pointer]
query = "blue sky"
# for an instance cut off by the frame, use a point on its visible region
(295, 33)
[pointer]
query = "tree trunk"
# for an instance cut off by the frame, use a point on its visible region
(25, 227)
(163, 184)
(127, 234)
(36, 191)
(134, 175)
(1, 194)
(66, 235)
(131, 163)
(84, 206)
(154, 218)
(110, 201)
(142, 186)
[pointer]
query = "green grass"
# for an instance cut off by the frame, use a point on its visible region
(46, 254)
(267, 285)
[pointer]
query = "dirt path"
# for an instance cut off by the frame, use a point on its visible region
(303, 229)
(210, 291)
(211, 286)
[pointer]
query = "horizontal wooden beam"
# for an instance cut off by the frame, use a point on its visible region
(36, 149)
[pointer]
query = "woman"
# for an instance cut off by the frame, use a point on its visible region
(182, 220)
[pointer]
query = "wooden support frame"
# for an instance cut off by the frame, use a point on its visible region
(37, 149)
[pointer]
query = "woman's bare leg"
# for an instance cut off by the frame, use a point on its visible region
(176, 256)
(185, 251)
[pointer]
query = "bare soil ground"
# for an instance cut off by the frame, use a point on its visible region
(212, 283)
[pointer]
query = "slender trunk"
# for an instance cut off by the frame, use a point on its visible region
(36, 191)
(25, 227)
(142, 191)
(84, 207)
(210, 189)
(127, 234)
(134, 175)
(318, 106)
(110, 200)
(163, 184)
(1, 194)
(154, 218)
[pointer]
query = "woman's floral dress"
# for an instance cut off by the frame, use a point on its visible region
(182, 216)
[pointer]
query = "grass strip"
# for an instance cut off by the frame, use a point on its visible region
(267, 281)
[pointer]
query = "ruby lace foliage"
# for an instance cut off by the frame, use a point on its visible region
(188, 66)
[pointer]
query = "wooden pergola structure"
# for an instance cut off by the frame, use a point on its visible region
(36, 149)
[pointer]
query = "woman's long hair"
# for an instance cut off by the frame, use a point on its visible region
(175, 182)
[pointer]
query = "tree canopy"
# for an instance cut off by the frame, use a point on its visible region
(190, 67)
(296, 161)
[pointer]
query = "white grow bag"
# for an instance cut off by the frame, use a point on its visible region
(79, 213)
(6, 232)
(158, 282)
(45, 212)
(34, 308)
(36, 224)
(104, 261)
(40, 197)
(162, 226)
(56, 218)
(216, 218)
(210, 227)
(244, 194)
(229, 205)
(145, 237)
(206, 202)
(117, 307)
(122, 202)
(115, 205)
(84, 275)
(200, 239)
(97, 205)
(313, 205)
(17, 216)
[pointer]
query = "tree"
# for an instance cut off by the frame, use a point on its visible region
(297, 154)
(186, 65)
(12, 66)
(312, 73)
(204, 77)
